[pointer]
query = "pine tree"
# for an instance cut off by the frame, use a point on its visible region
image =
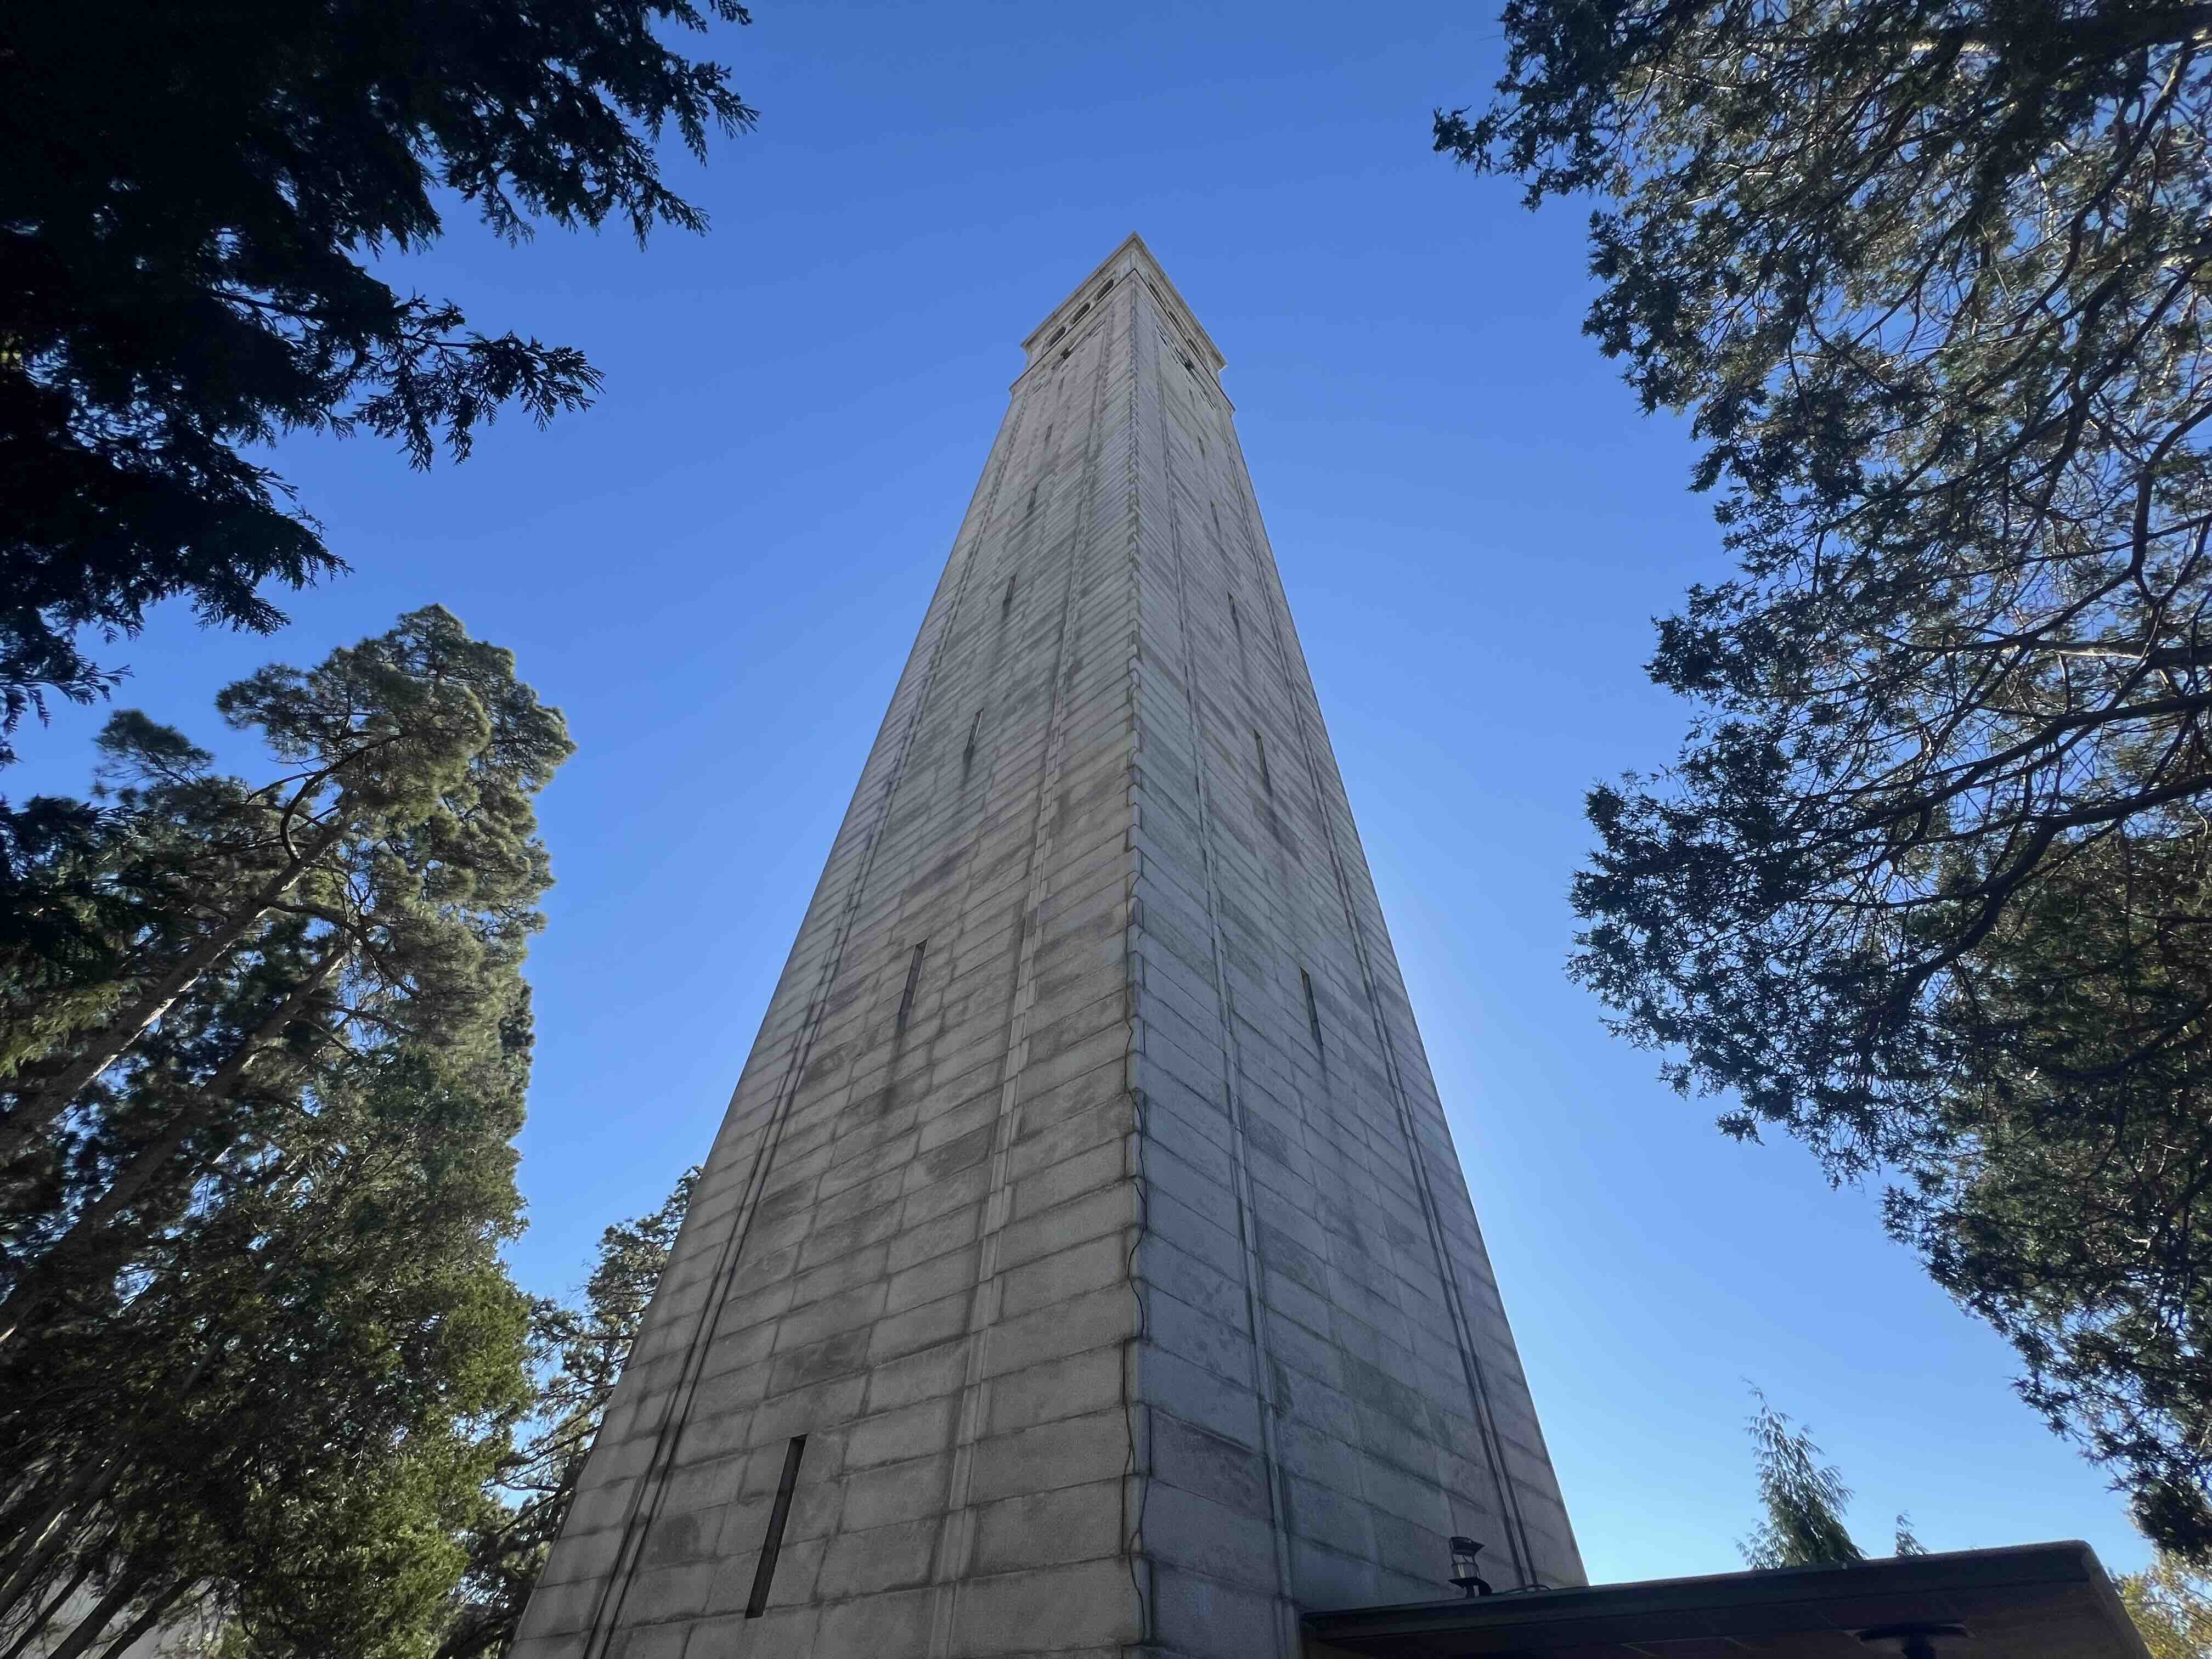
(259, 1173)
(379, 893)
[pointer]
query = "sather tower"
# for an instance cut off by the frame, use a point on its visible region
(1084, 1264)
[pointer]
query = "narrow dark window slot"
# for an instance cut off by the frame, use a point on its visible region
(1006, 604)
(974, 727)
(912, 979)
(1259, 746)
(1313, 1008)
(779, 1512)
(1236, 621)
(1032, 506)
(1214, 508)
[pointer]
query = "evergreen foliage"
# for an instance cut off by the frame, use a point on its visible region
(256, 1343)
(578, 1355)
(194, 202)
(1803, 1499)
(1930, 885)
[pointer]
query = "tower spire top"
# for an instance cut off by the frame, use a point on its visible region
(1133, 260)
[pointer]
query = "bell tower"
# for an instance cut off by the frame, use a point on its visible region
(1084, 1265)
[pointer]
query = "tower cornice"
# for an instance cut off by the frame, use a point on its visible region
(1133, 259)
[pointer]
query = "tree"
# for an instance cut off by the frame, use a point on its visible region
(1926, 885)
(57, 924)
(2172, 1607)
(194, 202)
(258, 1175)
(579, 1353)
(1804, 1499)
(376, 898)
(289, 1418)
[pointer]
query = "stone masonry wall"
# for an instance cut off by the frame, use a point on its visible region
(1116, 1313)
(1331, 1387)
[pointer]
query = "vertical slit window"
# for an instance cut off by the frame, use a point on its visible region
(779, 1512)
(1313, 1008)
(1032, 506)
(974, 729)
(1260, 748)
(912, 979)
(1236, 621)
(1006, 604)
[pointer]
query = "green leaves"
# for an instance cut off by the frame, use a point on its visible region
(2172, 1607)
(1925, 885)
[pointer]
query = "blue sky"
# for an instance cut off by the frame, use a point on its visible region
(717, 571)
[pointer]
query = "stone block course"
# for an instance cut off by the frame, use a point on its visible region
(1211, 1465)
(1054, 1281)
(1047, 1528)
(1067, 1452)
(896, 1335)
(1076, 1385)
(1046, 1609)
(888, 1494)
(1081, 1324)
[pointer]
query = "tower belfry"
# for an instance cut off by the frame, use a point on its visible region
(1084, 1265)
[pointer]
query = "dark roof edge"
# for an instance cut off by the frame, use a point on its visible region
(2067, 1561)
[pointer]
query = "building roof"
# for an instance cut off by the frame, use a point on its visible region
(2035, 1602)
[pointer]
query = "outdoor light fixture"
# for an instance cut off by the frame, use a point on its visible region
(1463, 1551)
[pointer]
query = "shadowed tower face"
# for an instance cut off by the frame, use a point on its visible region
(1084, 1264)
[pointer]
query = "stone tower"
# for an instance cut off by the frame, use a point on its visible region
(1084, 1266)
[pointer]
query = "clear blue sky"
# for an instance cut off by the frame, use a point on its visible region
(718, 570)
